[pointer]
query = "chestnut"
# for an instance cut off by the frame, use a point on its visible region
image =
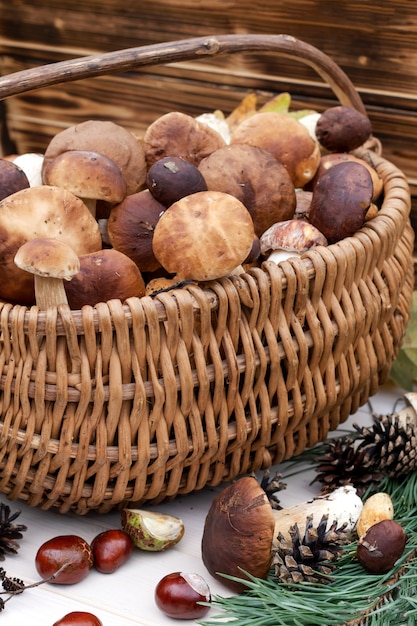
(179, 595)
(381, 546)
(111, 548)
(78, 618)
(172, 178)
(70, 554)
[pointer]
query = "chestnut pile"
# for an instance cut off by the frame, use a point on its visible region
(104, 214)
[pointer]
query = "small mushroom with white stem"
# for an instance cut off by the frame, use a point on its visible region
(290, 238)
(51, 262)
(241, 527)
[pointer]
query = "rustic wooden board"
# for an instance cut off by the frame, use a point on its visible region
(375, 43)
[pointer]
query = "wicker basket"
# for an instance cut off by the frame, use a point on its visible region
(162, 396)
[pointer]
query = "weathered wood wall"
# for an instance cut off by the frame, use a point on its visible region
(374, 42)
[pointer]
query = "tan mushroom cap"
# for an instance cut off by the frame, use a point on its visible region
(238, 533)
(180, 135)
(286, 139)
(204, 236)
(50, 261)
(40, 212)
(104, 275)
(88, 175)
(107, 138)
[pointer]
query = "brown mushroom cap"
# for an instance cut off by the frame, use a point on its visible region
(341, 200)
(254, 177)
(88, 175)
(333, 158)
(238, 533)
(107, 138)
(12, 178)
(172, 178)
(178, 134)
(342, 128)
(47, 212)
(104, 275)
(203, 236)
(131, 226)
(50, 261)
(293, 235)
(286, 139)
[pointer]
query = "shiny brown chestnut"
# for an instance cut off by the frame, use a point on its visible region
(179, 595)
(111, 548)
(69, 555)
(381, 546)
(79, 618)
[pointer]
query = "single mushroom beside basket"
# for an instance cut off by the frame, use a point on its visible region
(243, 533)
(51, 262)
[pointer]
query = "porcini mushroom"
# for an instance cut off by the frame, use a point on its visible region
(107, 138)
(204, 236)
(256, 178)
(284, 240)
(178, 134)
(35, 212)
(342, 128)
(87, 174)
(241, 527)
(51, 262)
(341, 200)
(102, 276)
(238, 533)
(131, 225)
(286, 139)
(12, 178)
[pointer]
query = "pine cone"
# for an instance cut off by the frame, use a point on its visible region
(9, 532)
(271, 486)
(310, 558)
(390, 445)
(343, 464)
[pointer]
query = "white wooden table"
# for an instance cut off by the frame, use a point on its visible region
(126, 597)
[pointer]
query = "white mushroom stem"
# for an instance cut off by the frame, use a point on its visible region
(343, 505)
(49, 291)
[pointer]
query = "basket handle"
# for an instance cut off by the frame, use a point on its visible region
(183, 50)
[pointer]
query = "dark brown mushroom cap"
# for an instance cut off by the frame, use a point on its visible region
(178, 134)
(12, 178)
(107, 138)
(342, 128)
(238, 533)
(104, 275)
(131, 226)
(256, 178)
(87, 174)
(172, 178)
(204, 236)
(38, 212)
(333, 158)
(286, 139)
(341, 200)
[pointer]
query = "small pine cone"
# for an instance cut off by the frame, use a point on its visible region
(390, 445)
(271, 486)
(9, 531)
(342, 464)
(311, 557)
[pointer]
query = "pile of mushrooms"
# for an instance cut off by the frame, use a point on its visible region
(196, 199)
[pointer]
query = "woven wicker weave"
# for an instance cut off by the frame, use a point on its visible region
(161, 396)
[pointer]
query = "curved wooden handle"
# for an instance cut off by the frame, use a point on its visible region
(183, 50)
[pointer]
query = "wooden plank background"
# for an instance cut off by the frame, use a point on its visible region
(374, 42)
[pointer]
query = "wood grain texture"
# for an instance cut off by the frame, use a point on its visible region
(375, 44)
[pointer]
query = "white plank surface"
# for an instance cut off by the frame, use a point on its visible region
(126, 597)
